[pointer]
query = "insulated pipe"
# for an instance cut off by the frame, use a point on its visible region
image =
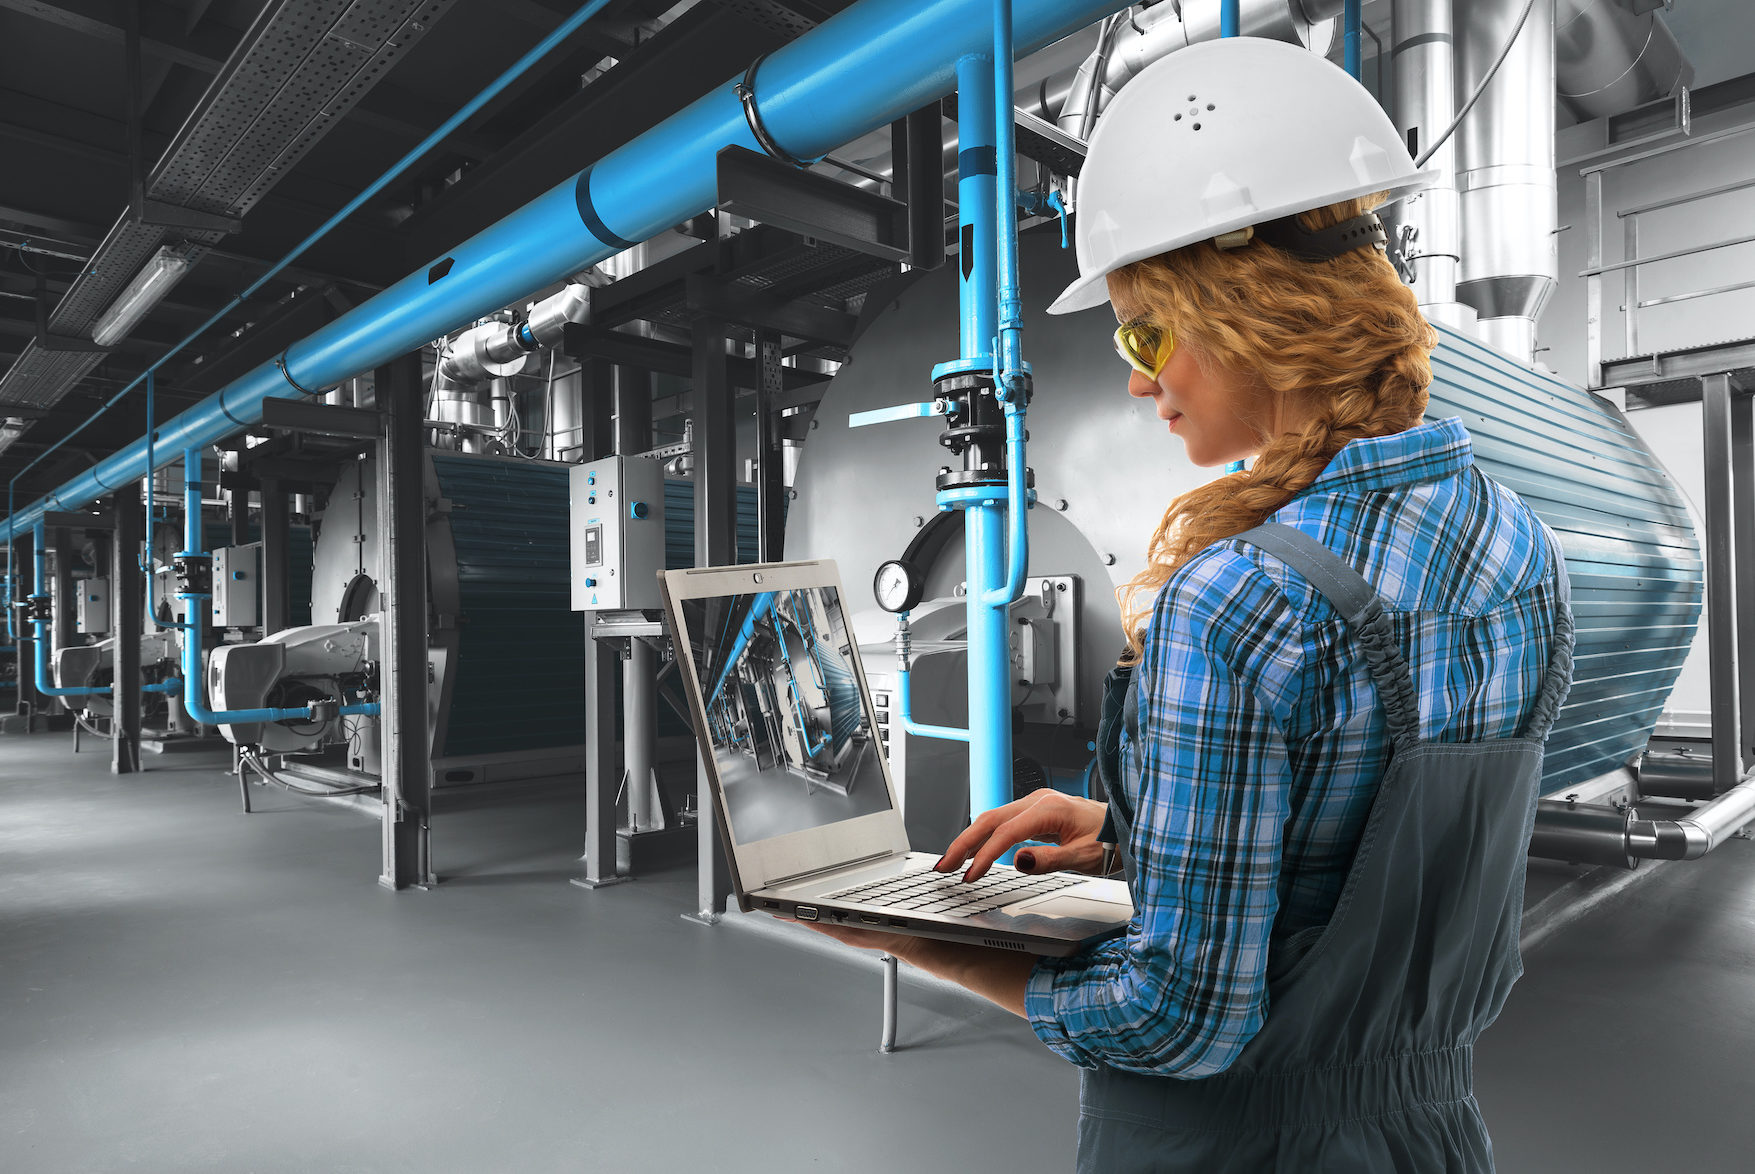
(1506, 170)
(1145, 36)
(1428, 224)
(1587, 834)
(1609, 57)
(857, 71)
(194, 696)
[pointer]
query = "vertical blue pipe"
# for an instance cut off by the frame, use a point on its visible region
(977, 204)
(1008, 353)
(1350, 18)
(990, 668)
(1229, 18)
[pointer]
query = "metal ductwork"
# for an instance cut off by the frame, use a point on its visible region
(1582, 833)
(1613, 55)
(1427, 226)
(1130, 41)
(1505, 176)
(487, 352)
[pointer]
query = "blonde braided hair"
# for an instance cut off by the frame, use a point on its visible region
(1339, 345)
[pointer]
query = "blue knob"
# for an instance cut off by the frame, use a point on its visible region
(591, 478)
(238, 575)
(639, 509)
(591, 582)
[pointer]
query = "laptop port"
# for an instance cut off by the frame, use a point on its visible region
(899, 922)
(770, 904)
(870, 920)
(805, 913)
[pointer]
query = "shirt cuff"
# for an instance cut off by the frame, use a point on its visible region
(1045, 1019)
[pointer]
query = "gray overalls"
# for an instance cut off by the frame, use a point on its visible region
(1364, 1063)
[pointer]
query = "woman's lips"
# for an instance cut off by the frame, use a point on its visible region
(1174, 417)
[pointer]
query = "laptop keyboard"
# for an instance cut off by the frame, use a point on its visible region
(940, 892)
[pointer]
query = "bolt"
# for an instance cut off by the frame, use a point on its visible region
(1060, 504)
(919, 521)
(1060, 586)
(1108, 560)
(944, 470)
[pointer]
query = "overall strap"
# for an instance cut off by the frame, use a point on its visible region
(1559, 676)
(1361, 608)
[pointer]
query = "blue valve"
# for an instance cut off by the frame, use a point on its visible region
(886, 415)
(1058, 203)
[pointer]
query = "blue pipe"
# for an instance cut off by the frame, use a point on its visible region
(42, 627)
(194, 695)
(905, 710)
(763, 604)
(517, 69)
(852, 74)
(1350, 19)
(1229, 17)
(977, 203)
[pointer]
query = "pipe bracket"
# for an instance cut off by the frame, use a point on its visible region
(746, 93)
(280, 361)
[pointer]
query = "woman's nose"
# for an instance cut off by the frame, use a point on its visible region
(1140, 387)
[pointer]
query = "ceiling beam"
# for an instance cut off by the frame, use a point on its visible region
(82, 18)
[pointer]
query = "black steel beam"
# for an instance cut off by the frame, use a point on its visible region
(127, 605)
(288, 415)
(778, 194)
(668, 358)
(407, 744)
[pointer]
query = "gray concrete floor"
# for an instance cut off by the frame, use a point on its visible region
(184, 987)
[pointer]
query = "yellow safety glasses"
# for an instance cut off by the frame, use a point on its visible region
(1145, 346)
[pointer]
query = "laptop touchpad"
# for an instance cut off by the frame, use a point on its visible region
(1083, 908)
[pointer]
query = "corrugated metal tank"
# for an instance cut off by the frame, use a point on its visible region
(1105, 472)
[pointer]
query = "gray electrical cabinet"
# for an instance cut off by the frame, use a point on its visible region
(91, 608)
(617, 530)
(237, 586)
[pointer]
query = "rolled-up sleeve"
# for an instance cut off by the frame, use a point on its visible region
(1184, 989)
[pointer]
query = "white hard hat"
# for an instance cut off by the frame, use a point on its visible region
(1222, 136)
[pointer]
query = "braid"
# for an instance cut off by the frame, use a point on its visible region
(1343, 338)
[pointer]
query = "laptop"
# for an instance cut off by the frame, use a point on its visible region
(794, 756)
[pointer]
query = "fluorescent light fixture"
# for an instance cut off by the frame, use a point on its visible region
(155, 279)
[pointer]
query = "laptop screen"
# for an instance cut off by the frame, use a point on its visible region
(786, 715)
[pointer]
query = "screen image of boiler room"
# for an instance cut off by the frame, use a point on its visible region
(791, 739)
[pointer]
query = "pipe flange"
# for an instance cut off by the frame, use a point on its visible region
(980, 478)
(746, 94)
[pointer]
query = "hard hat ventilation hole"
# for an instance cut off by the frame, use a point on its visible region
(1197, 126)
(1192, 98)
(1210, 106)
(1179, 118)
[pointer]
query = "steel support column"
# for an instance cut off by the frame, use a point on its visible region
(407, 744)
(715, 546)
(770, 470)
(602, 770)
(276, 535)
(1743, 542)
(1718, 414)
(127, 603)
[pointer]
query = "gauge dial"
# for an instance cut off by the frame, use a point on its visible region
(897, 585)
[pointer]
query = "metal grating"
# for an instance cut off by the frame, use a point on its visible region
(520, 677)
(301, 67)
(1630, 548)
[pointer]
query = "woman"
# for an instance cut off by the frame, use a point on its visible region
(1323, 744)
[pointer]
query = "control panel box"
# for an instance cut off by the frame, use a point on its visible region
(237, 586)
(91, 608)
(616, 526)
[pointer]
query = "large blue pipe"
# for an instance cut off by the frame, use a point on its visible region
(857, 72)
(42, 627)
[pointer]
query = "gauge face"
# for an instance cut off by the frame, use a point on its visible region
(897, 586)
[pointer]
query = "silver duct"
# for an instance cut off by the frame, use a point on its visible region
(1132, 40)
(1610, 57)
(1427, 227)
(487, 352)
(1505, 176)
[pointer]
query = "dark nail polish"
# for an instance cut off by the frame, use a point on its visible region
(1026, 861)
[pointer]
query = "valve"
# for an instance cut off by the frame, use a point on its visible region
(37, 609)
(194, 573)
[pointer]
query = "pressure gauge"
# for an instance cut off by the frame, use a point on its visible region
(898, 586)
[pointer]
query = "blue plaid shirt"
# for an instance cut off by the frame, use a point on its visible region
(1261, 744)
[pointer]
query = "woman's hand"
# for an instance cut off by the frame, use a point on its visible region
(1069, 823)
(894, 944)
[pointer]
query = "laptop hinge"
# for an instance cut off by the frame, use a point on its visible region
(780, 880)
